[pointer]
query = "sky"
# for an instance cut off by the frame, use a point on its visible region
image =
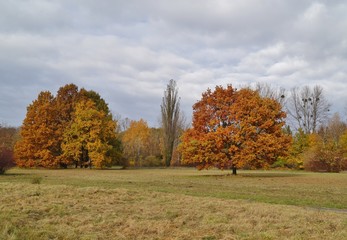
(127, 51)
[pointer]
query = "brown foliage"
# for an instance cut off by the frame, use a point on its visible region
(325, 161)
(6, 159)
(235, 129)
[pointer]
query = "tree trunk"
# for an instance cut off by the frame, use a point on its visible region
(234, 170)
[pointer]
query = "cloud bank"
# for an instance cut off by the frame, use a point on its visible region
(129, 50)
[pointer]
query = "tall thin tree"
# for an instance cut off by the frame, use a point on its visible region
(170, 118)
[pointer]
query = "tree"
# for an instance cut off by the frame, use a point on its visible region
(298, 149)
(8, 136)
(266, 90)
(170, 120)
(135, 141)
(37, 146)
(234, 129)
(66, 99)
(6, 159)
(86, 140)
(308, 108)
(328, 147)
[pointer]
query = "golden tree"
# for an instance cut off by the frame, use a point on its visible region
(66, 99)
(86, 140)
(135, 141)
(234, 129)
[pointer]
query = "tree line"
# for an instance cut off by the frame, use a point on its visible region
(259, 127)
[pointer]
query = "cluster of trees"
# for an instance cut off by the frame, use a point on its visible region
(144, 146)
(319, 140)
(259, 127)
(75, 127)
(324, 149)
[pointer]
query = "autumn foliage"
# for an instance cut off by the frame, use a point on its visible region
(235, 129)
(73, 128)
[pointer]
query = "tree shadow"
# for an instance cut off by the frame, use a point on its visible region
(254, 175)
(270, 175)
(16, 174)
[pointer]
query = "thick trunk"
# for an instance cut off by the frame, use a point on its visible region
(234, 170)
(168, 159)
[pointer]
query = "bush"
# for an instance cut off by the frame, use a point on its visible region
(152, 161)
(6, 159)
(344, 164)
(323, 160)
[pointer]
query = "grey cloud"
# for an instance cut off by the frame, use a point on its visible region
(128, 50)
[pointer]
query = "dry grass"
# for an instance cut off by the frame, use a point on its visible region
(141, 204)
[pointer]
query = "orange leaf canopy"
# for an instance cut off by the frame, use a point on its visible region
(235, 129)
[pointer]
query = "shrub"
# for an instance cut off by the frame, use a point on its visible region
(152, 161)
(6, 159)
(323, 160)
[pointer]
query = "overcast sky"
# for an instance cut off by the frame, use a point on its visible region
(128, 50)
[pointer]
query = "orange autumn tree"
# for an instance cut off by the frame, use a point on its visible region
(235, 129)
(37, 146)
(75, 127)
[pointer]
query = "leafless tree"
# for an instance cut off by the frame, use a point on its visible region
(336, 128)
(170, 120)
(266, 90)
(308, 108)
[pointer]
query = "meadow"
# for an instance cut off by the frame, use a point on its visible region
(180, 203)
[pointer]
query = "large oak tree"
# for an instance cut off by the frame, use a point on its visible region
(234, 129)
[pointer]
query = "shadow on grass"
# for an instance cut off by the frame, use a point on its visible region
(270, 175)
(16, 174)
(253, 175)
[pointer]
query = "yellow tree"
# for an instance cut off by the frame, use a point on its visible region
(135, 141)
(37, 146)
(86, 140)
(234, 129)
(65, 100)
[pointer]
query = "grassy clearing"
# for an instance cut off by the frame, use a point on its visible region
(171, 204)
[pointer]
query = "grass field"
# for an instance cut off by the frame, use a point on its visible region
(172, 204)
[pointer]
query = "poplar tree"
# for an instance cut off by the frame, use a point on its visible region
(170, 117)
